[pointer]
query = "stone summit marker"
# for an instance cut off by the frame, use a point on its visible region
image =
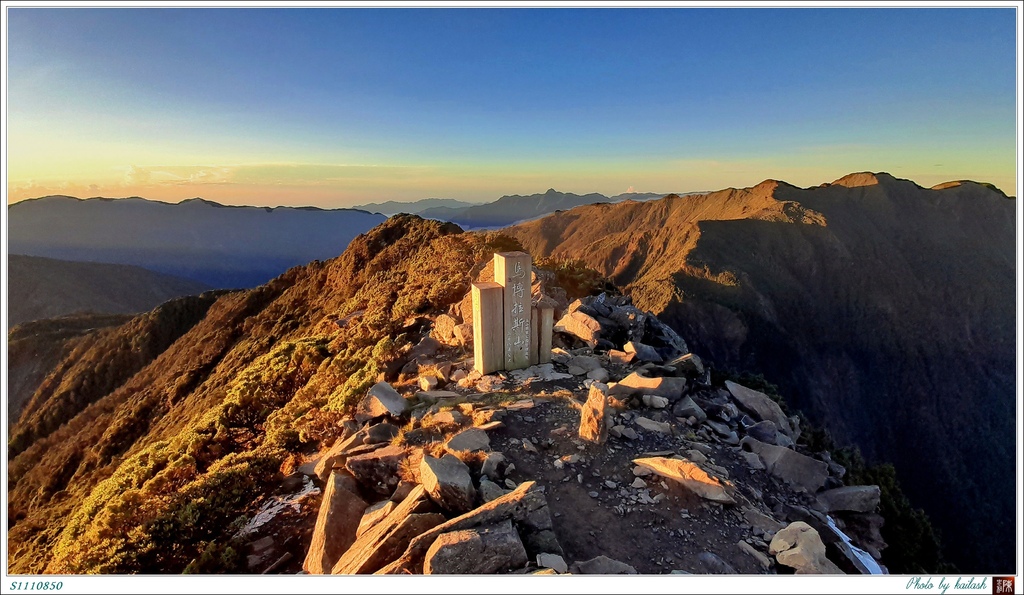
(488, 349)
(512, 270)
(505, 322)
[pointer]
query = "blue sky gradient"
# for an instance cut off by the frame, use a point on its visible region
(337, 106)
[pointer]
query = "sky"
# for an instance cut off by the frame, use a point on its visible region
(341, 106)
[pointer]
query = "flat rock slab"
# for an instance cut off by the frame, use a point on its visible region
(762, 560)
(689, 364)
(552, 561)
(691, 476)
(761, 405)
(468, 440)
(336, 455)
(586, 362)
(637, 385)
(381, 399)
(761, 521)
(492, 549)
(602, 565)
(373, 515)
(800, 470)
(711, 563)
(433, 396)
(653, 426)
(655, 402)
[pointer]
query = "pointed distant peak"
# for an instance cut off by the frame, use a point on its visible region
(552, 191)
(771, 185)
(768, 184)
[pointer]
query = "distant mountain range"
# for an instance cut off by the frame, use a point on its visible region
(41, 288)
(882, 309)
(221, 246)
(232, 246)
(514, 208)
(393, 207)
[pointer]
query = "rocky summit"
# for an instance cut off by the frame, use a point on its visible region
(548, 470)
(332, 421)
(545, 470)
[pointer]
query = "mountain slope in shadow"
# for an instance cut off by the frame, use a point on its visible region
(883, 309)
(46, 288)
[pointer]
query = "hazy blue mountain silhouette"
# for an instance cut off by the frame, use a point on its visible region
(221, 246)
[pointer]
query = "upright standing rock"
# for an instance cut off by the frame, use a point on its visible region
(488, 334)
(512, 270)
(592, 425)
(545, 329)
(340, 513)
(534, 336)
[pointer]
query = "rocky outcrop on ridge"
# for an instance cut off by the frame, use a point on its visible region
(619, 456)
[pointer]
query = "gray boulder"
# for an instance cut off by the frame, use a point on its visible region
(378, 470)
(580, 325)
(761, 406)
(381, 399)
(644, 353)
(492, 549)
(801, 471)
(712, 564)
(382, 432)
(765, 431)
(686, 407)
(636, 385)
(468, 440)
(800, 547)
(448, 483)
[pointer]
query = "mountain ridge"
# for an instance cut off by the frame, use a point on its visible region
(753, 276)
(247, 396)
(264, 377)
(221, 246)
(47, 288)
